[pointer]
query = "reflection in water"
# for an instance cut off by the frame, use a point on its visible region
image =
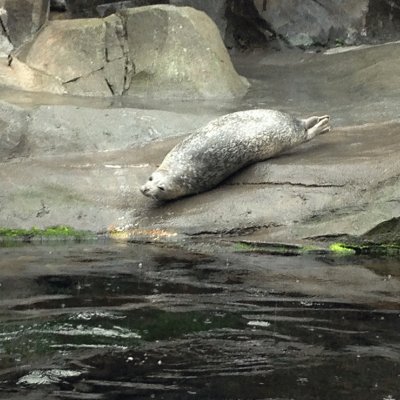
(100, 321)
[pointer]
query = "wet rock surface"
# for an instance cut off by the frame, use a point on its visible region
(125, 321)
(83, 166)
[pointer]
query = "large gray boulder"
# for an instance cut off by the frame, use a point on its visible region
(178, 50)
(155, 51)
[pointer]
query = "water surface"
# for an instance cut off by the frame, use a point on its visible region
(124, 321)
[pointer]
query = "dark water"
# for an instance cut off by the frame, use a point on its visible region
(110, 321)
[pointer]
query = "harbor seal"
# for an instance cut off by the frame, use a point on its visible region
(225, 145)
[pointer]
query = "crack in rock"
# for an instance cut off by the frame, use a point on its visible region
(234, 231)
(117, 33)
(109, 86)
(286, 183)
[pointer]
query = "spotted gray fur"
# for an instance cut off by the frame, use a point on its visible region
(224, 146)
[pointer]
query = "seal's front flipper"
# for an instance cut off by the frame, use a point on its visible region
(316, 126)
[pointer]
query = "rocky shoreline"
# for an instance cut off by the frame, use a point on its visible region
(79, 163)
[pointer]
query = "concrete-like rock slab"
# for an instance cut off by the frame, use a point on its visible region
(62, 130)
(318, 190)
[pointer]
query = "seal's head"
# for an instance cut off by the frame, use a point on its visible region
(161, 186)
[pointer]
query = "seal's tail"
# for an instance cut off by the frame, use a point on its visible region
(316, 126)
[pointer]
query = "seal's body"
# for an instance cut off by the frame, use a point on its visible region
(225, 145)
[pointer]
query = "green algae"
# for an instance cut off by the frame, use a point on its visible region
(337, 249)
(281, 249)
(341, 249)
(51, 233)
(373, 249)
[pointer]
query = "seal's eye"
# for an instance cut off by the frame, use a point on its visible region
(151, 178)
(161, 188)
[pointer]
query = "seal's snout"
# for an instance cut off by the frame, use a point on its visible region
(145, 190)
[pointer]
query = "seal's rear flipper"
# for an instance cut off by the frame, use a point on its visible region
(316, 126)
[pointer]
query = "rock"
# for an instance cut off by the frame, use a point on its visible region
(315, 192)
(312, 22)
(25, 18)
(119, 68)
(238, 22)
(245, 28)
(58, 5)
(385, 232)
(215, 9)
(382, 21)
(103, 8)
(77, 161)
(178, 51)
(13, 131)
(17, 75)
(62, 130)
(86, 164)
(68, 49)
(320, 190)
(154, 51)
(83, 8)
(106, 9)
(87, 56)
(307, 23)
(5, 44)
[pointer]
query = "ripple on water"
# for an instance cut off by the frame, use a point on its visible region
(189, 326)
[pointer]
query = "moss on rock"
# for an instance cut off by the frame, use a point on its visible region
(50, 233)
(339, 249)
